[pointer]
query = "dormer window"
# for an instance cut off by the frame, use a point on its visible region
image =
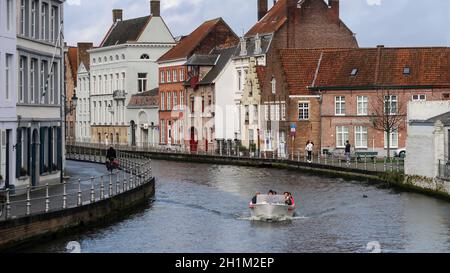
(145, 57)
(406, 71)
(354, 72)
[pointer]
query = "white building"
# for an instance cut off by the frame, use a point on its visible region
(83, 118)
(125, 65)
(427, 146)
(39, 143)
(8, 94)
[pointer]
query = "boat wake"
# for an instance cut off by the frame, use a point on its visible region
(260, 219)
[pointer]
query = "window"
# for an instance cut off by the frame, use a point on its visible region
(363, 103)
(117, 57)
(340, 106)
(100, 84)
(303, 111)
(203, 104)
(169, 101)
(406, 71)
(420, 97)
(8, 69)
(175, 100)
(44, 15)
(145, 57)
(341, 136)
(255, 114)
(192, 104)
(283, 111)
(52, 83)
(53, 26)
(268, 140)
(266, 112)
(22, 17)
(33, 79)
(182, 75)
(163, 78)
(274, 86)
(277, 112)
(123, 81)
(163, 102)
(354, 72)
(169, 76)
(99, 60)
(181, 100)
(33, 18)
(9, 14)
(391, 105)
(175, 76)
(239, 75)
(142, 82)
(123, 56)
(393, 140)
(361, 136)
(44, 80)
(22, 79)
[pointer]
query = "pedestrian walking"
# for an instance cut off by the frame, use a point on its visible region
(309, 149)
(348, 153)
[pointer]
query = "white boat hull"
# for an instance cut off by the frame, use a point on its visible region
(272, 212)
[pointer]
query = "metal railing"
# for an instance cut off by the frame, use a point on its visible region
(134, 171)
(338, 160)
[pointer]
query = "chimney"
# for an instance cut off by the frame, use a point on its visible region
(83, 55)
(117, 15)
(334, 10)
(155, 8)
(263, 7)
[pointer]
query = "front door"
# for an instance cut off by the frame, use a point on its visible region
(193, 143)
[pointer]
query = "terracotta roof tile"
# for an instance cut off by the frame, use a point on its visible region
(185, 48)
(274, 20)
(145, 99)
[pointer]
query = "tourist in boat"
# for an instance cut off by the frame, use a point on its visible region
(255, 198)
(288, 198)
(271, 192)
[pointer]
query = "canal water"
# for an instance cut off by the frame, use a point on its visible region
(204, 208)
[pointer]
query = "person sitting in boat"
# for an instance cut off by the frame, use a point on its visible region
(288, 199)
(255, 198)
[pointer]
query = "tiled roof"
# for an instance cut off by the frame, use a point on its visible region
(376, 67)
(274, 20)
(444, 118)
(125, 31)
(202, 59)
(145, 99)
(224, 56)
(185, 48)
(266, 40)
(73, 61)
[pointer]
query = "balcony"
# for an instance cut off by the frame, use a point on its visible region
(119, 95)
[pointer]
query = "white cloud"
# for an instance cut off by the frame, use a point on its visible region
(374, 2)
(74, 2)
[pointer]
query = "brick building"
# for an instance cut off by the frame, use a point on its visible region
(174, 73)
(305, 24)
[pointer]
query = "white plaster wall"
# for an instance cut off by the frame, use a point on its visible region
(156, 32)
(420, 147)
(427, 109)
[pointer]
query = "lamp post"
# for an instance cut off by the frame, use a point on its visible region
(68, 110)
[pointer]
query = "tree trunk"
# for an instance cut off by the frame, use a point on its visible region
(388, 144)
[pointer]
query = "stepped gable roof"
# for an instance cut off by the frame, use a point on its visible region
(125, 31)
(185, 48)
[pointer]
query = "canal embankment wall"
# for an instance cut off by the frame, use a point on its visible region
(389, 176)
(25, 230)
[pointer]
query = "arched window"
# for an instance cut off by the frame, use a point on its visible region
(145, 57)
(123, 56)
(111, 58)
(117, 57)
(93, 60)
(99, 60)
(105, 59)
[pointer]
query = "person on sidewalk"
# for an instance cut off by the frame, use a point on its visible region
(309, 149)
(111, 156)
(348, 153)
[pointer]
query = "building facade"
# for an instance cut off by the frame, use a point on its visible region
(83, 84)
(39, 143)
(122, 66)
(175, 74)
(8, 91)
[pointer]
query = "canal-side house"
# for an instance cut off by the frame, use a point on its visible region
(82, 91)
(8, 93)
(306, 24)
(70, 74)
(39, 143)
(203, 95)
(361, 88)
(175, 106)
(144, 109)
(124, 65)
(427, 144)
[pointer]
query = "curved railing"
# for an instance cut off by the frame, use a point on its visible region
(133, 172)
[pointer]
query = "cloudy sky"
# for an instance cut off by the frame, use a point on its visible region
(376, 22)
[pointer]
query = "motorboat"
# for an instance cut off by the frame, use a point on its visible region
(272, 208)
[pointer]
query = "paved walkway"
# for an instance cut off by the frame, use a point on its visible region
(76, 170)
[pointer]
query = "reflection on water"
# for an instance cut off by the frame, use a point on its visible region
(204, 208)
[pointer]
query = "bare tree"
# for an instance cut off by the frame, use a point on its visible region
(388, 114)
